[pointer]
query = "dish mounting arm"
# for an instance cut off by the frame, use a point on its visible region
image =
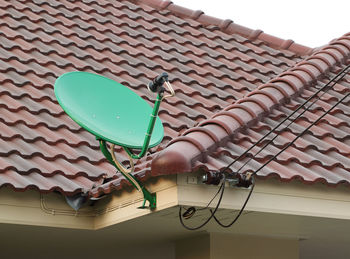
(127, 173)
(155, 86)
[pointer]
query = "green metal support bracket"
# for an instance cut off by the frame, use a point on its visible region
(147, 196)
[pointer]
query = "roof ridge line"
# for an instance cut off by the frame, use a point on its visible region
(228, 26)
(196, 143)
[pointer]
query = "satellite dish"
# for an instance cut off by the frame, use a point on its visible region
(107, 109)
(115, 114)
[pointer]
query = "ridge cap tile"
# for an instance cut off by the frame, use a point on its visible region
(176, 145)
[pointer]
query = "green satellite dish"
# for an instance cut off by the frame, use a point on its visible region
(114, 114)
(107, 109)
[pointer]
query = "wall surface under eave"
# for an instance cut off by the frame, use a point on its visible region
(228, 246)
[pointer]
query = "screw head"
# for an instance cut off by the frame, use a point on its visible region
(204, 178)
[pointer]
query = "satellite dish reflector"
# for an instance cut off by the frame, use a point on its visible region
(107, 109)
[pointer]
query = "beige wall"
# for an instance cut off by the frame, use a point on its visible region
(227, 246)
(224, 246)
(193, 248)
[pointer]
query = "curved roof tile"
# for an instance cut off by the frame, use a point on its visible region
(222, 74)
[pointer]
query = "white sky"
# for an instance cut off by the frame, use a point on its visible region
(308, 22)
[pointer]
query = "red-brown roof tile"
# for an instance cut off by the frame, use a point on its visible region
(226, 77)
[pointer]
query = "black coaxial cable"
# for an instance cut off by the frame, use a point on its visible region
(222, 188)
(335, 79)
(302, 133)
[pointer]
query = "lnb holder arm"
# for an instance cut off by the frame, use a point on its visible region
(156, 86)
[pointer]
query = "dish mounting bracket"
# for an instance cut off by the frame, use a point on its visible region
(127, 173)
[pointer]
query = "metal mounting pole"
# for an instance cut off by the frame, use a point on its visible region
(149, 130)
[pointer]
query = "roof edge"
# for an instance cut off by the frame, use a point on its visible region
(228, 26)
(197, 143)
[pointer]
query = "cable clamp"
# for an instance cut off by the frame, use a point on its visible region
(245, 180)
